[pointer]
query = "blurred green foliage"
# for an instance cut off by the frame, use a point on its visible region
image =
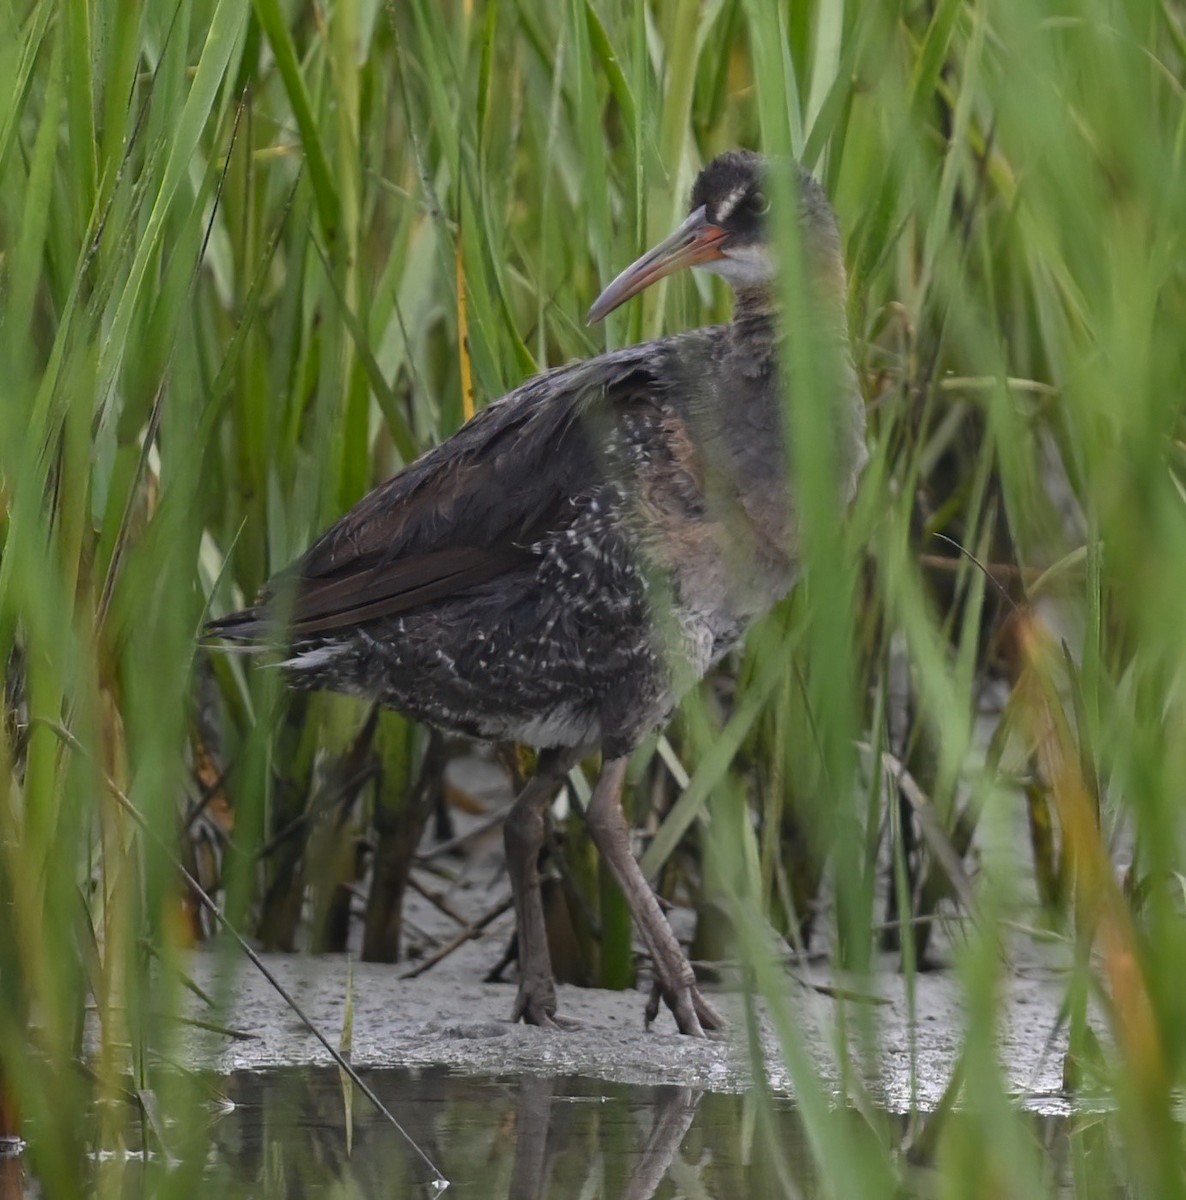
(254, 258)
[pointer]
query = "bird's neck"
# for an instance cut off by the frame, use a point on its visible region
(752, 425)
(754, 331)
(756, 314)
(754, 305)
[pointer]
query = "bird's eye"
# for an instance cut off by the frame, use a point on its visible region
(759, 203)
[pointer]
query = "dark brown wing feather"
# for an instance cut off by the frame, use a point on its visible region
(464, 512)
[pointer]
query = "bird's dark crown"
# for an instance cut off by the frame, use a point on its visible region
(731, 191)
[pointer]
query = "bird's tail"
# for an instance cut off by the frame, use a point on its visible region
(249, 630)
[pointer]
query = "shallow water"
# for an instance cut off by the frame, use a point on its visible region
(606, 1111)
(520, 1137)
(284, 1133)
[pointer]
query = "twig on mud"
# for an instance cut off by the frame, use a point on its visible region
(483, 826)
(468, 933)
(438, 901)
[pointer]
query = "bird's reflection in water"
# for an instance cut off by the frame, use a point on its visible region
(673, 1112)
(283, 1136)
(534, 1119)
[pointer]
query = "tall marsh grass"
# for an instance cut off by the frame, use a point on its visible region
(255, 257)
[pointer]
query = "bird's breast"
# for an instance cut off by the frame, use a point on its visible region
(718, 547)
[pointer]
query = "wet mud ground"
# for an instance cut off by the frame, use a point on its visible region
(448, 1018)
(608, 1109)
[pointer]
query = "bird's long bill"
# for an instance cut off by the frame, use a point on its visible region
(696, 241)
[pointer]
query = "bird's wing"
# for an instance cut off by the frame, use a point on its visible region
(465, 512)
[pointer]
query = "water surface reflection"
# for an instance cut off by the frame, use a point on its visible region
(286, 1133)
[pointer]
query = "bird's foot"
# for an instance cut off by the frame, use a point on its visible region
(693, 1013)
(536, 1005)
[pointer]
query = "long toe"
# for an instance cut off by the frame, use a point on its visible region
(652, 1009)
(547, 1020)
(680, 1000)
(684, 1010)
(693, 1013)
(710, 1018)
(539, 1008)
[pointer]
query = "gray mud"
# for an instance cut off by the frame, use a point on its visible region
(448, 1018)
(444, 1020)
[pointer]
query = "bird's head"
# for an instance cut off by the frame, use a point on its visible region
(726, 232)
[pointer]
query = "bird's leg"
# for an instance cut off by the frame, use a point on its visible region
(523, 836)
(674, 978)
